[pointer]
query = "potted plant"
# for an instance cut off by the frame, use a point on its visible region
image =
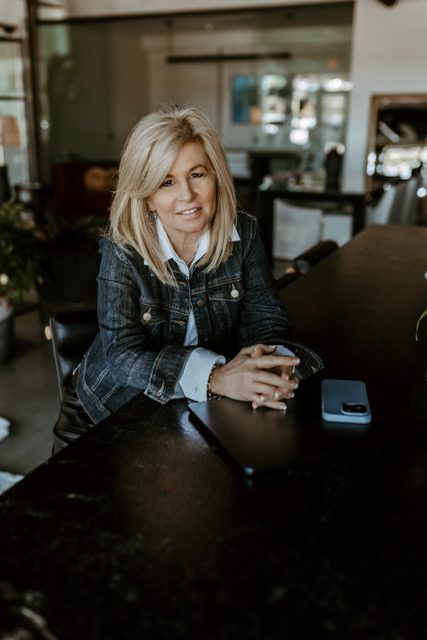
(20, 267)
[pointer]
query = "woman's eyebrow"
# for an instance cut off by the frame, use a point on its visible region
(201, 165)
(196, 166)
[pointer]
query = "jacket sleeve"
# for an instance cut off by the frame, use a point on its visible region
(263, 317)
(124, 339)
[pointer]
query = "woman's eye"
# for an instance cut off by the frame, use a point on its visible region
(167, 183)
(197, 175)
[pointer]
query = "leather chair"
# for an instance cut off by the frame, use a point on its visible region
(404, 209)
(398, 204)
(72, 333)
(305, 261)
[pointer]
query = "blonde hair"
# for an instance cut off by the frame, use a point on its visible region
(148, 155)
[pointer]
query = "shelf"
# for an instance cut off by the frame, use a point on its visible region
(4, 97)
(13, 39)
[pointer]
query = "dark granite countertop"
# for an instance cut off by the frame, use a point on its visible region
(143, 529)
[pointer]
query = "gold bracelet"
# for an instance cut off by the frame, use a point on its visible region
(209, 394)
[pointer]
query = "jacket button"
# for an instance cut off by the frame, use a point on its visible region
(234, 293)
(160, 391)
(147, 316)
(200, 303)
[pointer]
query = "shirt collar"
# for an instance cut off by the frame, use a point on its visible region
(203, 245)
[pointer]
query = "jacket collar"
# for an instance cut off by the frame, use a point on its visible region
(169, 252)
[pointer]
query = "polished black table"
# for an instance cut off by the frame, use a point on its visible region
(352, 203)
(143, 529)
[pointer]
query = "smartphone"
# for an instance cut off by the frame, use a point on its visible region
(345, 401)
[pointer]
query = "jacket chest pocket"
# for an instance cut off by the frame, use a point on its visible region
(152, 317)
(225, 301)
(230, 291)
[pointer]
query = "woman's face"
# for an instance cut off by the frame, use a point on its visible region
(185, 201)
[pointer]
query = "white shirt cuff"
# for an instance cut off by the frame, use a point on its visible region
(195, 376)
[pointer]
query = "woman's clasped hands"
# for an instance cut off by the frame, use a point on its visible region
(258, 375)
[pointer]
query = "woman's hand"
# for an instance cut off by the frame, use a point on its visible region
(286, 372)
(257, 375)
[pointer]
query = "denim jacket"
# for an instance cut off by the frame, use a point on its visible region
(143, 321)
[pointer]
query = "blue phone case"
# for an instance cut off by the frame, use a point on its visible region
(345, 401)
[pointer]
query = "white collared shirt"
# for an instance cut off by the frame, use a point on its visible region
(194, 378)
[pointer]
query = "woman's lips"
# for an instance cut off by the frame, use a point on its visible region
(188, 212)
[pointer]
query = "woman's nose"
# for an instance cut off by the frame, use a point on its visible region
(185, 191)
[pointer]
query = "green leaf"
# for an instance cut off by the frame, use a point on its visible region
(20, 252)
(423, 315)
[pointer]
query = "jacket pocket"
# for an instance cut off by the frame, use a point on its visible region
(227, 291)
(225, 299)
(152, 317)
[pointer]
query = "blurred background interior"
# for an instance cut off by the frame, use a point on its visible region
(322, 103)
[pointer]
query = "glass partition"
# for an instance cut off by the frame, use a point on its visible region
(398, 138)
(271, 79)
(12, 103)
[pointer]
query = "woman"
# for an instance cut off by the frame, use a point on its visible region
(183, 283)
